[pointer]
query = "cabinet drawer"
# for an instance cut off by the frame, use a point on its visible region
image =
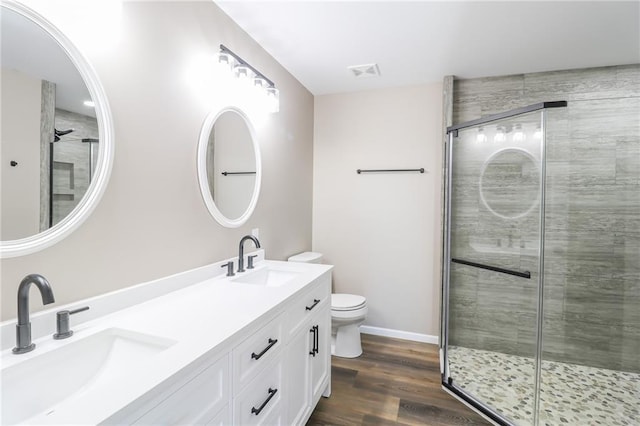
(309, 303)
(197, 402)
(260, 403)
(255, 352)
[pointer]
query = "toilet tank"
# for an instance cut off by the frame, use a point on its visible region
(306, 257)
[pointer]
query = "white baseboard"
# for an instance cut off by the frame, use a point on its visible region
(399, 334)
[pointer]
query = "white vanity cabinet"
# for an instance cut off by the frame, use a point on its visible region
(271, 372)
(308, 353)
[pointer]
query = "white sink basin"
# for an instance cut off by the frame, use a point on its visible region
(38, 385)
(268, 276)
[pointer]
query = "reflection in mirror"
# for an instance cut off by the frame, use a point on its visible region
(229, 167)
(56, 134)
(510, 183)
(231, 164)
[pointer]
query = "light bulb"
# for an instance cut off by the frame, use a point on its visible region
(518, 134)
(500, 135)
(226, 59)
(538, 133)
(260, 82)
(243, 72)
(273, 99)
(481, 137)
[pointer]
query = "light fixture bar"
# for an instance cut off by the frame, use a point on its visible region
(241, 61)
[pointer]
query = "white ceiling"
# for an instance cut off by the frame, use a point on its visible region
(422, 41)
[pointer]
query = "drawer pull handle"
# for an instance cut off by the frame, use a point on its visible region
(257, 411)
(264, 351)
(315, 302)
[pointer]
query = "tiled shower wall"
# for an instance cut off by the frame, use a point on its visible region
(592, 232)
(71, 161)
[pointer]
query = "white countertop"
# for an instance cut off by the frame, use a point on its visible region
(199, 317)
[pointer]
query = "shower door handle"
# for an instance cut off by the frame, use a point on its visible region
(522, 274)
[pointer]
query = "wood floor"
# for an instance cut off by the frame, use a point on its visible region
(394, 382)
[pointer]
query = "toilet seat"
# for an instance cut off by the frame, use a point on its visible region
(347, 302)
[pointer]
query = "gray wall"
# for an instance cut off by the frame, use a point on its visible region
(151, 221)
(20, 133)
(381, 230)
(592, 244)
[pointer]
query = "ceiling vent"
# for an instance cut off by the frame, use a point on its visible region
(363, 71)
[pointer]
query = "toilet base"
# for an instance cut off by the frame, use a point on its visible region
(345, 341)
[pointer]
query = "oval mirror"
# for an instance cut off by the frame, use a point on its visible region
(510, 183)
(56, 142)
(229, 168)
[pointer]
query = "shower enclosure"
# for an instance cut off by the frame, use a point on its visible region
(541, 283)
(72, 155)
(72, 162)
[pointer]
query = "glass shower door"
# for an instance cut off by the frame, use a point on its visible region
(496, 176)
(591, 332)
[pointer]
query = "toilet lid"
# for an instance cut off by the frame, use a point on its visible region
(346, 302)
(306, 257)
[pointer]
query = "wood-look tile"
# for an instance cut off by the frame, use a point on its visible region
(388, 372)
(370, 419)
(415, 413)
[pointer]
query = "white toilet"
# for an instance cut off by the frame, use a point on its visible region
(348, 312)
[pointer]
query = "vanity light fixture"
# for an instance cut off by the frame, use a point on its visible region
(242, 70)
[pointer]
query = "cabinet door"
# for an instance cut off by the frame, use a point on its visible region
(196, 402)
(298, 376)
(321, 362)
(223, 418)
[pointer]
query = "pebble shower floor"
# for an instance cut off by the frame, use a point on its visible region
(569, 394)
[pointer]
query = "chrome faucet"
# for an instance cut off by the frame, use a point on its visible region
(23, 328)
(241, 250)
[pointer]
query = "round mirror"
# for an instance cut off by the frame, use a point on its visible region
(229, 167)
(510, 183)
(56, 143)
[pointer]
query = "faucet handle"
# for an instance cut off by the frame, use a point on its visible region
(62, 323)
(229, 266)
(250, 261)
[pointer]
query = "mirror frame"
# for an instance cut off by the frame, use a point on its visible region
(201, 165)
(44, 239)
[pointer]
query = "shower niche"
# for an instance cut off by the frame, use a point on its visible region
(538, 322)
